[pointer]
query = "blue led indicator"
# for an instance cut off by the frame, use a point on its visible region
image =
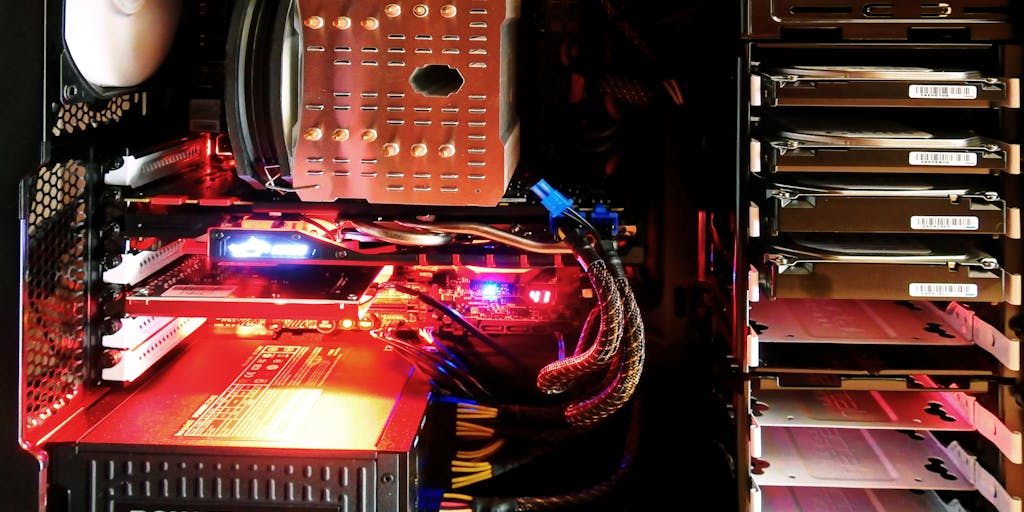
(259, 248)
(490, 292)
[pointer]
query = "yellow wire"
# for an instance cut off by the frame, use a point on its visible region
(475, 416)
(673, 90)
(465, 425)
(463, 481)
(491, 412)
(468, 464)
(456, 496)
(471, 475)
(480, 453)
(472, 434)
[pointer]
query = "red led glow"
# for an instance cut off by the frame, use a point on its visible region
(540, 296)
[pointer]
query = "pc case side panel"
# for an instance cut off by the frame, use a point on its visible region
(21, 100)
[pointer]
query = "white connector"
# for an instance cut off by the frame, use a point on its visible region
(134, 329)
(132, 363)
(138, 266)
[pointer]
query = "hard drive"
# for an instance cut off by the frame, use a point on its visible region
(880, 267)
(899, 204)
(880, 86)
(968, 20)
(852, 144)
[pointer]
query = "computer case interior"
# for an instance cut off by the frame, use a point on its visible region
(480, 255)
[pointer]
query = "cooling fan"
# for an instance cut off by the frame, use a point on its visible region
(113, 46)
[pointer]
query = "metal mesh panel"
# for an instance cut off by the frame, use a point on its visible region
(224, 481)
(79, 117)
(55, 307)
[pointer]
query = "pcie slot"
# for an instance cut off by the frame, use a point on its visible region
(137, 170)
(129, 364)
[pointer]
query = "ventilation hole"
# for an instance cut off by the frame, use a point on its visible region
(436, 80)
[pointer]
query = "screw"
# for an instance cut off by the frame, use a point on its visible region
(420, 10)
(369, 135)
(313, 22)
(392, 10)
(341, 254)
(339, 135)
(391, 149)
(419, 150)
(371, 23)
(448, 11)
(70, 91)
(387, 478)
(112, 261)
(313, 134)
(342, 23)
(446, 150)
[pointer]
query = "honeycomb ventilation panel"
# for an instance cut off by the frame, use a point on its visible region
(406, 103)
(55, 301)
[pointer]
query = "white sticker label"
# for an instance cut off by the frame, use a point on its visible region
(944, 222)
(959, 290)
(943, 158)
(944, 92)
(198, 290)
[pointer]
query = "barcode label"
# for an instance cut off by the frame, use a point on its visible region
(944, 222)
(198, 290)
(943, 158)
(944, 92)
(958, 290)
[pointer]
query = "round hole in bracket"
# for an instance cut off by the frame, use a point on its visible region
(436, 80)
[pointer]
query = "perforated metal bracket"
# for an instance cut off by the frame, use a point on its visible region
(983, 481)
(989, 425)
(984, 335)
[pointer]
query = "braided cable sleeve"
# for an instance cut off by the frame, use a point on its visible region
(620, 390)
(587, 332)
(589, 495)
(555, 377)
